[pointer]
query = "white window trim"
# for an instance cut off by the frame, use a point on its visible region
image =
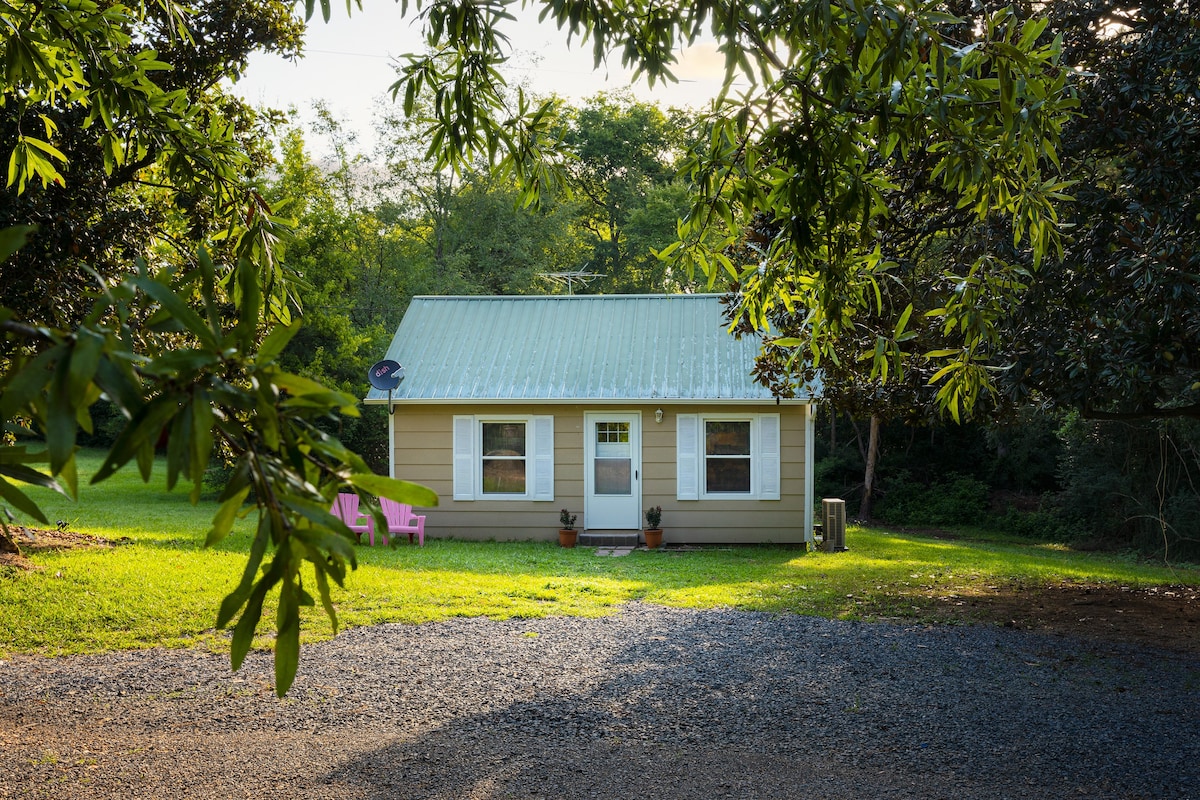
(764, 461)
(468, 457)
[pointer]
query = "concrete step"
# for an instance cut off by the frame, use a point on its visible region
(608, 540)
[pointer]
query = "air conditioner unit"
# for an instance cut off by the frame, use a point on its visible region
(833, 516)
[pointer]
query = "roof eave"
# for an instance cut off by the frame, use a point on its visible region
(377, 401)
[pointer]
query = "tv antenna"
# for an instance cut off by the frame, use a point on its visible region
(569, 279)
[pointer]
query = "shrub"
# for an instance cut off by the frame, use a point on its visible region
(1133, 483)
(839, 474)
(107, 424)
(953, 500)
(1025, 452)
(1045, 526)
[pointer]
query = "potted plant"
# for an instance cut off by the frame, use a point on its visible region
(653, 526)
(566, 531)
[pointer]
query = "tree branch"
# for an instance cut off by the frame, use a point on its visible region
(1192, 412)
(25, 331)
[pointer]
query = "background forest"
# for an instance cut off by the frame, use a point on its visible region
(372, 230)
(1079, 354)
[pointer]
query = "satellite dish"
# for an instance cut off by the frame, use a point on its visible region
(386, 375)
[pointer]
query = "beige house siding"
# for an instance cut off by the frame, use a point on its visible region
(424, 454)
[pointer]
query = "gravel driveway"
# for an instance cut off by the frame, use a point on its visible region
(649, 703)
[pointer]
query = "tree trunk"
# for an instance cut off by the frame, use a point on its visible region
(868, 496)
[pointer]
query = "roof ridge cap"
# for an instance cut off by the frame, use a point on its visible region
(682, 296)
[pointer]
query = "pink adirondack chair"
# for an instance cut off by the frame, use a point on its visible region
(401, 519)
(345, 508)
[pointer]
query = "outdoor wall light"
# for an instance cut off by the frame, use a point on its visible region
(658, 415)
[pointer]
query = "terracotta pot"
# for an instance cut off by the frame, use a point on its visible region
(567, 538)
(653, 537)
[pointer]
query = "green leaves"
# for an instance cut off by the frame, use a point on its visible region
(202, 382)
(920, 142)
(64, 56)
(224, 518)
(175, 348)
(13, 461)
(1107, 328)
(31, 158)
(412, 494)
(13, 238)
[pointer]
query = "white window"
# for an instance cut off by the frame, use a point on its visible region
(730, 457)
(503, 457)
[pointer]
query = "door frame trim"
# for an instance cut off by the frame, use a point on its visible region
(589, 452)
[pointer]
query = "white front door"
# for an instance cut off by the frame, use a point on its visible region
(612, 471)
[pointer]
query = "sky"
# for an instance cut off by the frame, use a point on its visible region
(350, 62)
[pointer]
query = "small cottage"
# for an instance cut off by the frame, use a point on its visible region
(512, 408)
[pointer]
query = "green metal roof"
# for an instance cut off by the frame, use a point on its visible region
(605, 348)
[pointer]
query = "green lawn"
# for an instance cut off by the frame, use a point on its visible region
(163, 588)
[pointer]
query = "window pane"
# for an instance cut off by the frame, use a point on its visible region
(727, 475)
(613, 476)
(504, 476)
(727, 438)
(610, 432)
(504, 458)
(504, 438)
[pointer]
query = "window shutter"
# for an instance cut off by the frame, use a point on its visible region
(464, 458)
(768, 457)
(543, 458)
(687, 457)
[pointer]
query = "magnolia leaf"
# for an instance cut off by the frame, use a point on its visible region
(287, 636)
(13, 239)
(22, 503)
(224, 518)
(243, 632)
(412, 494)
(241, 593)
